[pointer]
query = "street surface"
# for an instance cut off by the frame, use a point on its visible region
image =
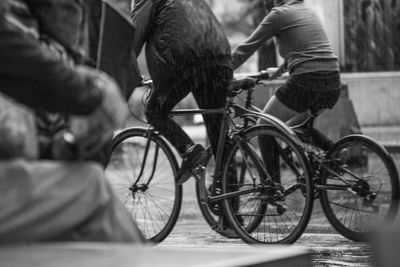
(329, 248)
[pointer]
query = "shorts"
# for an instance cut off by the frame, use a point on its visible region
(310, 91)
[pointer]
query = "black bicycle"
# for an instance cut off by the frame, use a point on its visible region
(234, 191)
(355, 178)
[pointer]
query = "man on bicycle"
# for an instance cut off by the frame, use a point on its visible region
(186, 51)
(314, 81)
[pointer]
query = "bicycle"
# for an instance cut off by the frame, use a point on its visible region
(143, 166)
(355, 179)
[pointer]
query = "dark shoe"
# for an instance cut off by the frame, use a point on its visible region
(193, 157)
(228, 233)
(225, 229)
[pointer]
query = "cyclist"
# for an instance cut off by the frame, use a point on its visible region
(314, 80)
(186, 51)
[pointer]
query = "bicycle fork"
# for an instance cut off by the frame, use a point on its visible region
(136, 186)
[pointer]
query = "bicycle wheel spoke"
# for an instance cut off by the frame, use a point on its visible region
(268, 215)
(146, 185)
(372, 195)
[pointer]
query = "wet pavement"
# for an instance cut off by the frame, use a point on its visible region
(329, 248)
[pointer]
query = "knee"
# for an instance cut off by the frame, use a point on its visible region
(149, 115)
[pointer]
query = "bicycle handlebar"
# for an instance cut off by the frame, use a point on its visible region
(258, 76)
(262, 75)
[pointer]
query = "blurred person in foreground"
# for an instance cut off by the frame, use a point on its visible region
(55, 200)
(314, 82)
(186, 51)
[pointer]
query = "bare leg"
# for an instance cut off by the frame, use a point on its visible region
(269, 147)
(275, 108)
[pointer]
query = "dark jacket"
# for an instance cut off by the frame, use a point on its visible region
(35, 76)
(181, 36)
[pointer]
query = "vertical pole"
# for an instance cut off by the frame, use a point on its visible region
(341, 34)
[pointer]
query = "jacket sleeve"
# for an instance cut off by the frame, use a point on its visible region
(141, 15)
(267, 29)
(38, 78)
(62, 20)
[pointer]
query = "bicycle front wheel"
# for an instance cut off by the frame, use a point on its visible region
(362, 192)
(142, 172)
(273, 209)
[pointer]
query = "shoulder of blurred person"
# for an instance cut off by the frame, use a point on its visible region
(61, 20)
(67, 86)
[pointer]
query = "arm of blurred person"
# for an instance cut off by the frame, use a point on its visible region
(63, 21)
(36, 77)
(141, 14)
(267, 29)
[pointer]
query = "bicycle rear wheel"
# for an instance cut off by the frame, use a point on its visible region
(142, 172)
(364, 195)
(261, 211)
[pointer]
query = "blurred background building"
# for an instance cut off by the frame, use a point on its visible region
(365, 35)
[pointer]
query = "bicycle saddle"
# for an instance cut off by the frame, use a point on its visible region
(238, 84)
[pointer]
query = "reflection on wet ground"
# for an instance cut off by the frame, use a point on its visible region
(330, 248)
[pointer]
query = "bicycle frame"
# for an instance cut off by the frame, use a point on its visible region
(237, 111)
(231, 108)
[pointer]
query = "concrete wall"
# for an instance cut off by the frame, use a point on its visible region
(375, 96)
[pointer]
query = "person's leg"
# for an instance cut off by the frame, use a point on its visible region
(60, 201)
(277, 109)
(323, 92)
(210, 91)
(269, 147)
(158, 107)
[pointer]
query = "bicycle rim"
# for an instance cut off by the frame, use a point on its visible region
(371, 198)
(277, 216)
(146, 185)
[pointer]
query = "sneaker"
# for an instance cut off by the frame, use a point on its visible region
(193, 157)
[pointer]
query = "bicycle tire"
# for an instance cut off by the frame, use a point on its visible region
(258, 218)
(214, 216)
(154, 207)
(352, 212)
